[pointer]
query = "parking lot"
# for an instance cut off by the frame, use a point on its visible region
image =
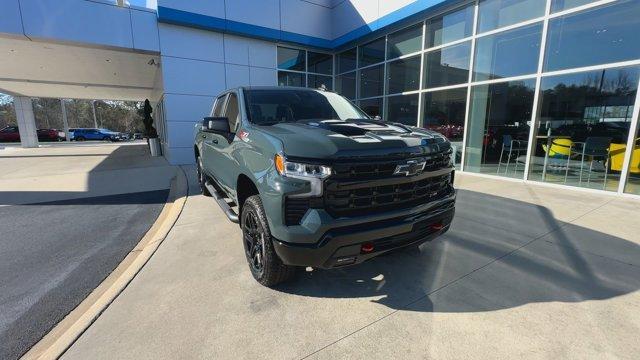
(525, 271)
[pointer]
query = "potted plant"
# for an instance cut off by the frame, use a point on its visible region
(149, 131)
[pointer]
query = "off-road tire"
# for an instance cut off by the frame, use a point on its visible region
(202, 178)
(273, 271)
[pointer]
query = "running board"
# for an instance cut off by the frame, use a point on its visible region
(228, 211)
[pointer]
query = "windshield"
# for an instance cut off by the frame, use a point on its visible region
(268, 107)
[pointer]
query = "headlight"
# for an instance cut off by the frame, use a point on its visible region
(300, 170)
(314, 174)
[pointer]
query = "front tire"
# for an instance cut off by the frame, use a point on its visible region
(265, 265)
(202, 178)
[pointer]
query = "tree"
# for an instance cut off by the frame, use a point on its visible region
(7, 111)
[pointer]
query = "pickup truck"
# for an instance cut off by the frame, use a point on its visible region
(315, 182)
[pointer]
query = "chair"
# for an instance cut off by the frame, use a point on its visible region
(560, 148)
(511, 146)
(593, 147)
(617, 151)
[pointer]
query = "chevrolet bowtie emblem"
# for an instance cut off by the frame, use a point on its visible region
(412, 167)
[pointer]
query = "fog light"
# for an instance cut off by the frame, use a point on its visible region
(366, 248)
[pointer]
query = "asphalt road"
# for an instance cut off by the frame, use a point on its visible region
(52, 255)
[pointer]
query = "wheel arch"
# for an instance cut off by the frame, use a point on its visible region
(245, 187)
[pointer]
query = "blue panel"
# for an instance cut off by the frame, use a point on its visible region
(306, 40)
(185, 18)
(261, 32)
(405, 15)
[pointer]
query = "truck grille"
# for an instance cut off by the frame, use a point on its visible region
(342, 199)
(379, 170)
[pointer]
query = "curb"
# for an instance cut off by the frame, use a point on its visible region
(69, 329)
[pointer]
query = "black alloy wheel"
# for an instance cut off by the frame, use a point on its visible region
(265, 265)
(253, 243)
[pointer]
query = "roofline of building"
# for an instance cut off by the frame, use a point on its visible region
(404, 16)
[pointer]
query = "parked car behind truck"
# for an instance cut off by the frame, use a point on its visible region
(82, 134)
(12, 134)
(313, 181)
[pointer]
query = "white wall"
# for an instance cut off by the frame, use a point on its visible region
(80, 21)
(307, 17)
(196, 66)
(349, 15)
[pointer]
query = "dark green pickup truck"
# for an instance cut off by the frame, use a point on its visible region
(316, 182)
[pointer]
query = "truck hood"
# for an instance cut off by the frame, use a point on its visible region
(354, 139)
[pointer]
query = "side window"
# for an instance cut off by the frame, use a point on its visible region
(233, 112)
(217, 108)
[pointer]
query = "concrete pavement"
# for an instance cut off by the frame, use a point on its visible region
(525, 271)
(63, 171)
(54, 253)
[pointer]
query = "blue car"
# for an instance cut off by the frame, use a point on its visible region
(93, 134)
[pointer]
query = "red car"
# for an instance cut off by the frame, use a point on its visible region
(9, 134)
(50, 135)
(12, 134)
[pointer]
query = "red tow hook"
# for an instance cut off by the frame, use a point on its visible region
(437, 226)
(366, 248)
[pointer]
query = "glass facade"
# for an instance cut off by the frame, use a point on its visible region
(403, 75)
(494, 14)
(403, 109)
(319, 82)
(347, 60)
(508, 53)
(455, 25)
(373, 107)
(444, 112)
(346, 85)
(583, 126)
(561, 5)
(371, 81)
(371, 53)
(447, 66)
(602, 35)
(404, 42)
(320, 63)
(499, 117)
(286, 78)
(633, 182)
(299, 67)
(559, 109)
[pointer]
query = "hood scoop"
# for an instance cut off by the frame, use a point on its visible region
(357, 127)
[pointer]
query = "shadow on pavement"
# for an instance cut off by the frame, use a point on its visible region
(500, 253)
(57, 246)
(99, 180)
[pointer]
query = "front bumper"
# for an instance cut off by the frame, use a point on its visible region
(343, 245)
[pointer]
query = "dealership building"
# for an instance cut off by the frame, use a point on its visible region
(535, 90)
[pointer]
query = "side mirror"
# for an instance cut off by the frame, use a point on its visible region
(216, 124)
